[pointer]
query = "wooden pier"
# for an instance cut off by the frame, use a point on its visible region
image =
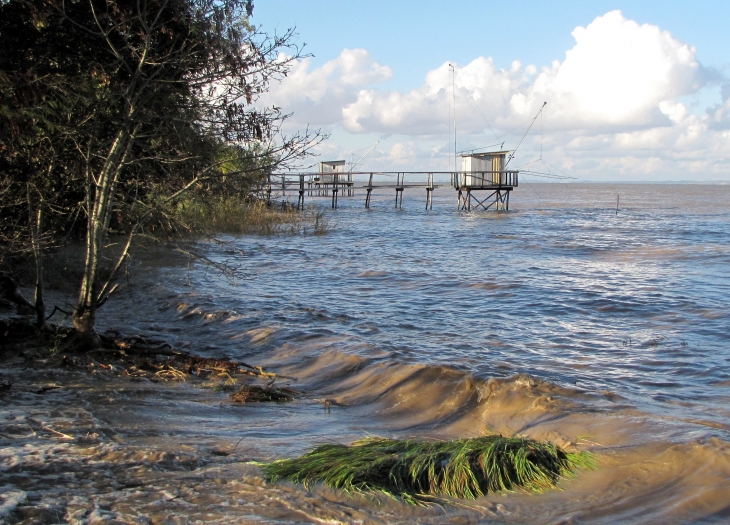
(475, 189)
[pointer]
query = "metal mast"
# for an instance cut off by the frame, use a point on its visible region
(453, 100)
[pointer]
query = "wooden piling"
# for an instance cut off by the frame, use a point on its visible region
(300, 201)
(399, 187)
(369, 190)
(429, 192)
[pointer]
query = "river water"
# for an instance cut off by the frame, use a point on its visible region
(563, 319)
(561, 287)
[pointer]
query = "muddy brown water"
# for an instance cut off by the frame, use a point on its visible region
(559, 320)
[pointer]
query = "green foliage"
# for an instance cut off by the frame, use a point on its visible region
(50, 338)
(44, 98)
(111, 111)
(175, 79)
(56, 339)
(417, 471)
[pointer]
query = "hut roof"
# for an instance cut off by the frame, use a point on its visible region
(486, 154)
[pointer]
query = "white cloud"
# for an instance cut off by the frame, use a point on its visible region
(613, 104)
(482, 94)
(317, 97)
(618, 73)
(404, 154)
(720, 115)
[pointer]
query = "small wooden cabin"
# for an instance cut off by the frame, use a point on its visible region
(484, 169)
(328, 170)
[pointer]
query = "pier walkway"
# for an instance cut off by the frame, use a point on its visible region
(475, 189)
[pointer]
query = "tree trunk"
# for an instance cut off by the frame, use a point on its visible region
(40, 305)
(100, 201)
(34, 224)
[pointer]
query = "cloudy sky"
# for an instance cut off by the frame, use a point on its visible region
(634, 90)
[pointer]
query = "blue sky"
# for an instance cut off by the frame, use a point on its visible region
(380, 72)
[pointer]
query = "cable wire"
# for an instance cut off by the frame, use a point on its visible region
(476, 106)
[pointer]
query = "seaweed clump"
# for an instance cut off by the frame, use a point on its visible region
(419, 471)
(262, 394)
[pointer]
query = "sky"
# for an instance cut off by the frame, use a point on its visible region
(635, 91)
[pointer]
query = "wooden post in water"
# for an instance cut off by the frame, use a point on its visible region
(335, 189)
(300, 202)
(400, 180)
(369, 189)
(617, 204)
(429, 192)
(461, 200)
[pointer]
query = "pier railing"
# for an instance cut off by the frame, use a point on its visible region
(485, 179)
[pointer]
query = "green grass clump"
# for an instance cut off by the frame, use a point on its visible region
(417, 471)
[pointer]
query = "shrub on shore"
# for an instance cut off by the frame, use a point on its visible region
(246, 216)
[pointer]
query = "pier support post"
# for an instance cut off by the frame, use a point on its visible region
(464, 201)
(335, 189)
(429, 192)
(399, 186)
(300, 201)
(495, 198)
(369, 190)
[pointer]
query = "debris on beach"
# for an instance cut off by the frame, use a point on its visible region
(258, 394)
(138, 359)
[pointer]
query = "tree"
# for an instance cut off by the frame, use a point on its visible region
(41, 101)
(164, 96)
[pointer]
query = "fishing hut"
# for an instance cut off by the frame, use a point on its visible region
(332, 176)
(483, 181)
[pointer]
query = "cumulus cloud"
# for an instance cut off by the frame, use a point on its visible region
(425, 110)
(617, 74)
(317, 96)
(720, 114)
(614, 102)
